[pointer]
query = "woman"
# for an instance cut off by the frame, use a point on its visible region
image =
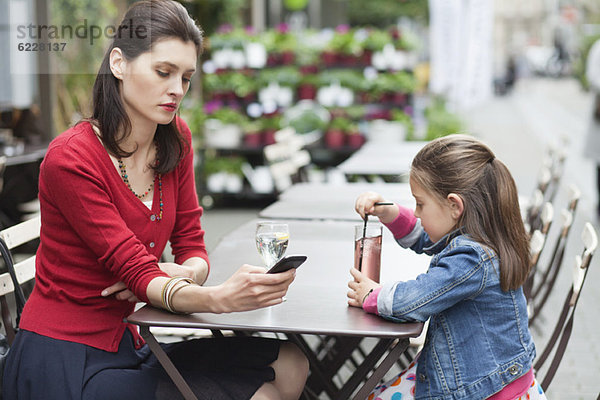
(113, 190)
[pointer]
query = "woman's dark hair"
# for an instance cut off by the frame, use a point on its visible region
(463, 165)
(145, 23)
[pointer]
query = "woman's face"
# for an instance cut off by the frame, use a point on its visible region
(438, 218)
(154, 83)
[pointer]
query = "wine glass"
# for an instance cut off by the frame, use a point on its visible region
(272, 241)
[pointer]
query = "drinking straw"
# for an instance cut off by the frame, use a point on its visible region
(362, 243)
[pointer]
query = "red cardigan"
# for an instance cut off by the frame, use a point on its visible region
(95, 232)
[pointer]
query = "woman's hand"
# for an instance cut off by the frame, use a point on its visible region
(359, 288)
(250, 288)
(365, 204)
(121, 292)
(176, 270)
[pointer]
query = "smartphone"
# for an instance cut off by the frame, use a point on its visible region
(287, 262)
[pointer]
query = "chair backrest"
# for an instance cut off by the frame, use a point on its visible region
(286, 157)
(546, 217)
(556, 171)
(564, 325)
(536, 245)
(533, 209)
(547, 280)
(13, 237)
(573, 195)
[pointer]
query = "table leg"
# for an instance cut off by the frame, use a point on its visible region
(382, 368)
(167, 364)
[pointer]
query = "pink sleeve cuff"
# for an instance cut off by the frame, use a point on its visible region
(370, 303)
(403, 224)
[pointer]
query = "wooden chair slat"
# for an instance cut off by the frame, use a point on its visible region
(21, 233)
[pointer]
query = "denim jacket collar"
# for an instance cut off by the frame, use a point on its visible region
(438, 246)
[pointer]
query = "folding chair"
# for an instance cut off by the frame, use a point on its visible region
(541, 292)
(537, 243)
(558, 157)
(286, 158)
(10, 238)
(564, 324)
(543, 288)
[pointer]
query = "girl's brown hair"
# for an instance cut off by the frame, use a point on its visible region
(463, 165)
(145, 23)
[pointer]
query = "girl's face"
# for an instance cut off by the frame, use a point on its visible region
(438, 218)
(154, 83)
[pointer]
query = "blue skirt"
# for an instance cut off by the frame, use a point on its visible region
(39, 367)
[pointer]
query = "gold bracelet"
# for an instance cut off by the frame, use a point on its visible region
(170, 291)
(163, 292)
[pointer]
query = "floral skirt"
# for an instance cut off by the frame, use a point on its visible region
(402, 387)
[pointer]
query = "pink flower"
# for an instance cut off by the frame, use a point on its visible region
(225, 28)
(283, 28)
(343, 28)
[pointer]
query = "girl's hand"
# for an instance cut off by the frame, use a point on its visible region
(121, 292)
(359, 288)
(250, 288)
(365, 204)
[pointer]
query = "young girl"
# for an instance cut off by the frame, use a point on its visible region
(478, 344)
(113, 190)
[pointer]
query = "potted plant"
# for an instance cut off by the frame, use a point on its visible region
(244, 86)
(252, 134)
(335, 137)
(223, 128)
(307, 88)
(270, 125)
(355, 139)
(223, 174)
(405, 119)
(374, 42)
(441, 122)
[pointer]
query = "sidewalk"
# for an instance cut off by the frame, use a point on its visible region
(519, 128)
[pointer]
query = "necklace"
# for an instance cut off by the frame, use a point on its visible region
(125, 178)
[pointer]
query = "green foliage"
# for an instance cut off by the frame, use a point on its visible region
(230, 164)
(382, 13)
(210, 14)
(340, 124)
(441, 122)
(194, 116)
(229, 116)
(233, 39)
(284, 76)
(279, 41)
(581, 62)
(402, 117)
(344, 42)
(307, 121)
(78, 64)
(272, 122)
(376, 40)
(348, 78)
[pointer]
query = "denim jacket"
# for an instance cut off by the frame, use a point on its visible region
(478, 339)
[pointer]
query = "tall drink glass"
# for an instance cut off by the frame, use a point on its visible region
(370, 247)
(272, 240)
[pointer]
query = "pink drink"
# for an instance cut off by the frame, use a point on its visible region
(371, 256)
